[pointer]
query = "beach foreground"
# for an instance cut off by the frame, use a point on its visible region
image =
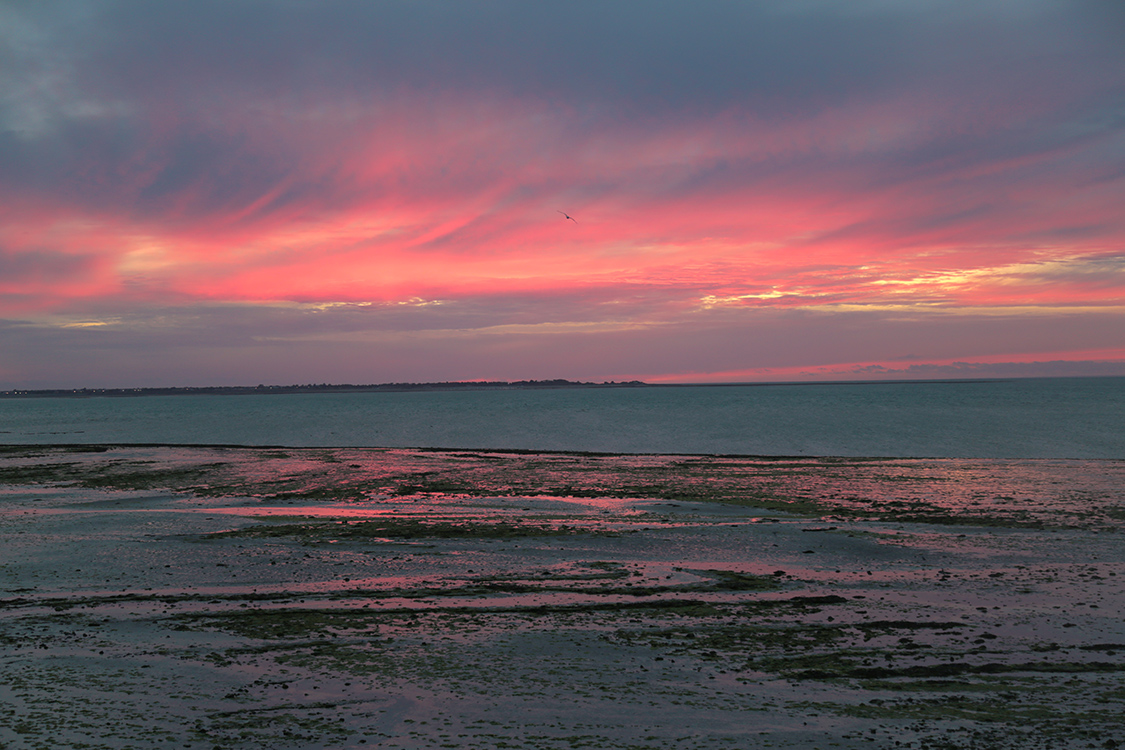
(343, 598)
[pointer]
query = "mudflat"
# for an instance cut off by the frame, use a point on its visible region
(223, 597)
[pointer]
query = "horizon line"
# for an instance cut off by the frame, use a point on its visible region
(556, 383)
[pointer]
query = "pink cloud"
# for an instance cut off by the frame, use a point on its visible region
(942, 188)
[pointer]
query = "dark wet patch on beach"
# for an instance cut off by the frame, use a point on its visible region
(502, 599)
(995, 493)
(958, 671)
(399, 529)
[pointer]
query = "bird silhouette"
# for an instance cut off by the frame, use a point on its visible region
(564, 213)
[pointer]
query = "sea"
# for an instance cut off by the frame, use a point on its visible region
(1061, 418)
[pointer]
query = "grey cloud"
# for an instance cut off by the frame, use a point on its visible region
(29, 269)
(650, 54)
(1105, 272)
(216, 173)
(659, 53)
(253, 344)
(239, 324)
(165, 94)
(778, 60)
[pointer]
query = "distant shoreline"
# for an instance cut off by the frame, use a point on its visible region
(497, 385)
(255, 390)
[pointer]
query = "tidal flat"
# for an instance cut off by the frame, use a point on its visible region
(229, 597)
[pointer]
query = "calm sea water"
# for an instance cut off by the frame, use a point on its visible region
(1032, 418)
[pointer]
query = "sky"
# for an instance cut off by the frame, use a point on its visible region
(237, 192)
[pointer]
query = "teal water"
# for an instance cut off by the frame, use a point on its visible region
(1031, 418)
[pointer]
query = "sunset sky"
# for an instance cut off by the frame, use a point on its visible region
(249, 191)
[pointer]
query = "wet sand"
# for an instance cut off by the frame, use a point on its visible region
(268, 598)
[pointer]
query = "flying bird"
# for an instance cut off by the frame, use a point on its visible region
(564, 213)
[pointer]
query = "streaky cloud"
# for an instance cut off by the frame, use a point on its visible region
(750, 180)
